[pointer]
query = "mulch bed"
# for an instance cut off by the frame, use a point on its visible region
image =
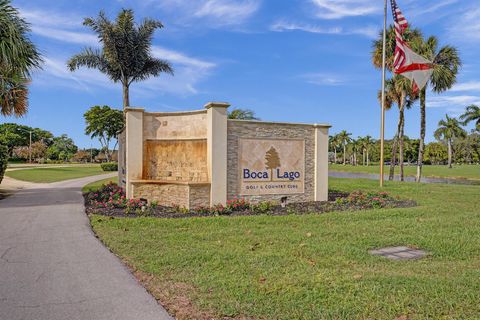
(312, 207)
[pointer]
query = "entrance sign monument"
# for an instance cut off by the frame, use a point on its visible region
(202, 158)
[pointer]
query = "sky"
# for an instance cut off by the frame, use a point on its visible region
(290, 60)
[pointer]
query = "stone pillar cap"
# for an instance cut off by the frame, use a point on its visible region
(133, 109)
(217, 105)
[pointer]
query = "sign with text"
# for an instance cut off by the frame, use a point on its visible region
(270, 166)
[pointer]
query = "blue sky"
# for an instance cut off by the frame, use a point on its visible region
(293, 60)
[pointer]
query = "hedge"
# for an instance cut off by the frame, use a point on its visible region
(3, 160)
(109, 166)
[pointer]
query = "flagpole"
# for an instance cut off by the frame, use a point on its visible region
(382, 126)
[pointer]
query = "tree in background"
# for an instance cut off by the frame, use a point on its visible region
(467, 150)
(15, 135)
(242, 114)
(3, 160)
(104, 123)
(125, 56)
(436, 153)
(335, 143)
(448, 129)
(18, 57)
(38, 151)
(446, 63)
(344, 138)
(365, 145)
(62, 148)
(81, 156)
(472, 114)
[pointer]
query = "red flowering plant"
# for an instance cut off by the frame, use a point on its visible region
(238, 204)
(108, 196)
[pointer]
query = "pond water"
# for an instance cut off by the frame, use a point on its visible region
(372, 176)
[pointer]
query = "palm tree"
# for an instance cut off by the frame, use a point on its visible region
(446, 62)
(344, 138)
(18, 58)
(472, 113)
(398, 90)
(242, 114)
(448, 129)
(125, 56)
(368, 141)
(335, 143)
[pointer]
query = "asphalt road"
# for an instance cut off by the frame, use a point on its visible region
(52, 266)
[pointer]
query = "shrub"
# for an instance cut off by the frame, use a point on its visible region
(220, 210)
(109, 166)
(3, 160)
(374, 200)
(238, 204)
(262, 207)
(108, 196)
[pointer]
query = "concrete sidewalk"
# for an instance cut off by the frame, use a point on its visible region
(52, 266)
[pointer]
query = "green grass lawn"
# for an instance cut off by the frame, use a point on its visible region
(461, 172)
(97, 184)
(313, 266)
(47, 175)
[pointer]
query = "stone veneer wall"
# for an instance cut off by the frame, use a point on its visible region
(238, 129)
(183, 195)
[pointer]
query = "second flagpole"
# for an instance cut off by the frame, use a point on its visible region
(382, 126)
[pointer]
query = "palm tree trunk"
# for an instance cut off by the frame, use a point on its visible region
(421, 148)
(449, 142)
(401, 144)
(335, 155)
(363, 155)
(126, 96)
(394, 157)
(344, 154)
(368, 159)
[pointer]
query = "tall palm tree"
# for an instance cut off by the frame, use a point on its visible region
(344, 138)
(368, 142)
(448, 129)
(242, 114)
(472, 114)
(446, 63)
(399, 91)
(335, 142)
(332, 146)
(125, 56)
(18, 58)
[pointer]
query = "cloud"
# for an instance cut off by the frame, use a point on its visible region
(466, 27)
(231, 12)
(66, 35)
(467, 86)
(454, 105)
(189, 71)
(215, 13)
(323, 79)
(282, 26)
(337, 9)
(51, 18)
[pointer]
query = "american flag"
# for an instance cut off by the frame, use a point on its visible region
(400, 25)
(406, 62)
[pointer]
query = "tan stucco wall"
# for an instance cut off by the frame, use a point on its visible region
(175, 125)
(250, 129)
